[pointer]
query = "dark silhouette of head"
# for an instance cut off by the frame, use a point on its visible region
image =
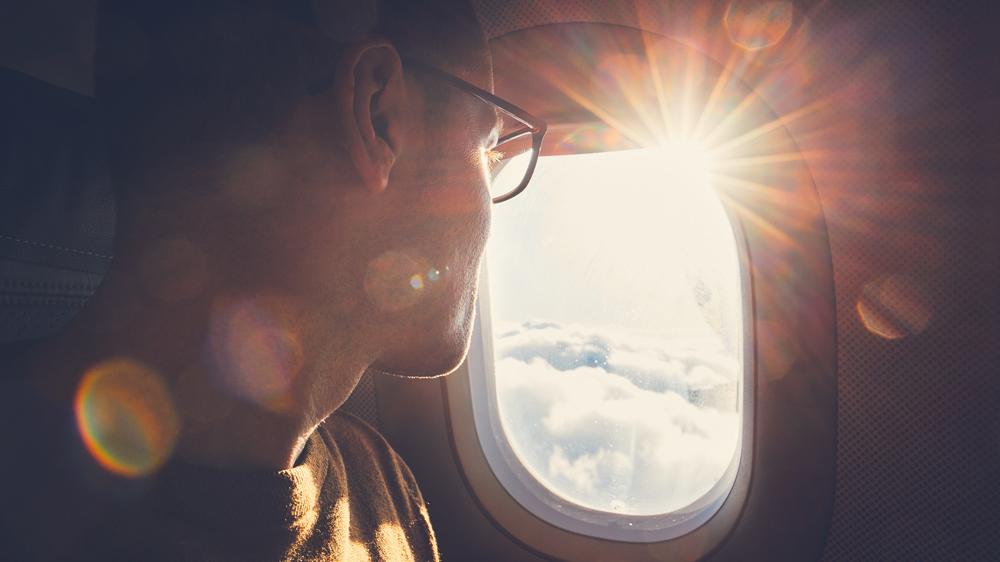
(284, 160)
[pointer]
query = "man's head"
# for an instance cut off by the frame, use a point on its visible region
(283, 161)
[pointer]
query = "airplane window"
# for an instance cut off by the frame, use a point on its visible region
(612, 318)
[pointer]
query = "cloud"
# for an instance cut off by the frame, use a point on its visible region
(648, 361)
(617, 421)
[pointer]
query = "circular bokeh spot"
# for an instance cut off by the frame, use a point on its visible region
(257, 349)
(894, 307)
(395, 280)
(754, 24)
(126, 417)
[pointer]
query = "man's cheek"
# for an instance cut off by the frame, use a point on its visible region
(457, 189)
(452, 200)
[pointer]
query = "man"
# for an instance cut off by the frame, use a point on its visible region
(301, 198)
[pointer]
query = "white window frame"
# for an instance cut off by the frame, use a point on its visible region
(529, 510)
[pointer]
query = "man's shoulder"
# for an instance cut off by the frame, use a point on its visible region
(372, 466)
(367, 455)
(359, 442)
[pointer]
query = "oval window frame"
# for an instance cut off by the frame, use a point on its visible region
(782, 495)
(546, 505)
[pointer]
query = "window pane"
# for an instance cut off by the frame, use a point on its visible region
(614, 291)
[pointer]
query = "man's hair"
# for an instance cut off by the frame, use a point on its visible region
(183, 77)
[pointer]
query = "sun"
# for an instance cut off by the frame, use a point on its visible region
(687, 162)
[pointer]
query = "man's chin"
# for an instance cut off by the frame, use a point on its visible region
(433, 352)
(415, 374)
(428, 365)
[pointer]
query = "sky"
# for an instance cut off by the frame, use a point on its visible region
(615, 238)
(613, 288)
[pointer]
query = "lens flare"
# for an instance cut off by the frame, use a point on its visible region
(754, 25)
(590, 137)
(126, 417)
(893, 307)
(395, 280)
(257, 349)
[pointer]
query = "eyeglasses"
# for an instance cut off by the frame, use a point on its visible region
(512, 161)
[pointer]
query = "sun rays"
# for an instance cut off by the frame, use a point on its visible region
(778, 108)
(746, 80)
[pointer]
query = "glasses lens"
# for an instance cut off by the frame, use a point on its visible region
(509, 165)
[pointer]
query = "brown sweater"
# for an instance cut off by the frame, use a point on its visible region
(350, 498)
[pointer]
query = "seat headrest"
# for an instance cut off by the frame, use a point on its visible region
(57, 212)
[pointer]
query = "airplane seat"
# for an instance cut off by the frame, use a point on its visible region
(57, 214)
(56, 206)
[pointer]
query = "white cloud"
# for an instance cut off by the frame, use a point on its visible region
(649, 361)
(607, 418)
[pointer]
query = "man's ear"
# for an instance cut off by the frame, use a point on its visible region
(372, 103)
